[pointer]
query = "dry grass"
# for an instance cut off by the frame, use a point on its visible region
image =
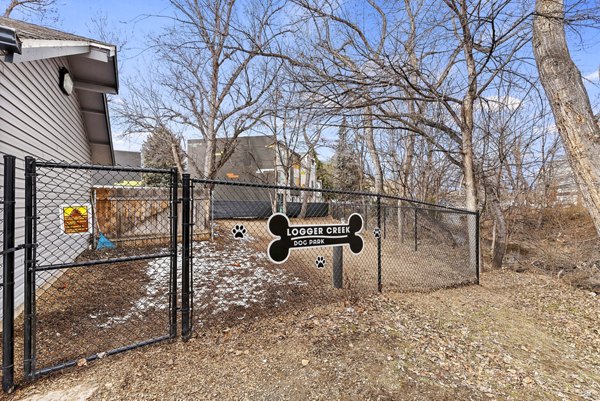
(561, 241)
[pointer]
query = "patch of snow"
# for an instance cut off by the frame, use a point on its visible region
(222, 279)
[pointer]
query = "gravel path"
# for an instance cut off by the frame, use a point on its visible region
(517, 336)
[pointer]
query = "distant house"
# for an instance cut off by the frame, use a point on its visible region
(122, 158)
(53, 106)
(563, 185)
(259, 159)
(128, 158)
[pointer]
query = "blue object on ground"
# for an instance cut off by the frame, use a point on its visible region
(104, 243)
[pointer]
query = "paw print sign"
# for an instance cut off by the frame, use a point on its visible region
(239, 231)
(377, 232)
(320, 262)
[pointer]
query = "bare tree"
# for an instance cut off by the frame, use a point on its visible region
(296, 129)
(461, 55)
(217, 90)
(162, 149)
(144, 112)
(569, 101)
(212, 80)
(311, 135)
(41, 9)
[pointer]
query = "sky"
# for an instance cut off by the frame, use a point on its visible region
(135, 20)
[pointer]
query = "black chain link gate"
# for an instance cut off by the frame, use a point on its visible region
(101, 262)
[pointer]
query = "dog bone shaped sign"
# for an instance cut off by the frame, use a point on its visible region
(312, 236)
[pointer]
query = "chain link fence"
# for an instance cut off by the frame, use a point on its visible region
(426, 247)
(102, 247)
(406, 246)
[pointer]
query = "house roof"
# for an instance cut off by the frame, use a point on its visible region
(32, 31)
(92, 65)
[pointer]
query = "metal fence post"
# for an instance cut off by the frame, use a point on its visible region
(416, 232)
(338, 267)
(190, 254)
(30, 261)
(185, 264)
(379, 243)
(8, 283)
(174, 232)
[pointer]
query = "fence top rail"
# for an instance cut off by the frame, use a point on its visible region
(97, 167)
(330, 191)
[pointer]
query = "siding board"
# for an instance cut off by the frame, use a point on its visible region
(37, 119)
(47, 125)
(48, 90)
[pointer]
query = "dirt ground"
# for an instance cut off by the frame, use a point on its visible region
(516, 336)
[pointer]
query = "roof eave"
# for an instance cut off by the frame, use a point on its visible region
(95, 57)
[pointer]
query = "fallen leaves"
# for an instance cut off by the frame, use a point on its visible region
(502, 340)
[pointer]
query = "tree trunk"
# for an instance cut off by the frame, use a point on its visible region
(469, 175)
(400, 215)
(500, 231)
(306, 194)
(176, 157)
(569, 101)
(203, 221)
(467, 128)
(500, 243)
(493, 237)
(372, 148)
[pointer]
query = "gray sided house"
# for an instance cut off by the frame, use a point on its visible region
(252, 161)
(53, 106)
(259, 159)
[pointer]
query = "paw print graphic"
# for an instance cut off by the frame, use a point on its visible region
(320, 262)
(239, 231)
(377, 232)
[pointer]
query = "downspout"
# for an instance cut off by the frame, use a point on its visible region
(9, 40)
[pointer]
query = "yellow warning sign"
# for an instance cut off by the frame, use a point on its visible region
(75, 219)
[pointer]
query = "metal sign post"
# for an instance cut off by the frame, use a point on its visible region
(338, 267)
